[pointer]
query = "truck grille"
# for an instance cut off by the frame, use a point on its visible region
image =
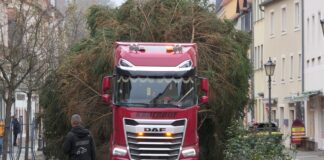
(154, 144)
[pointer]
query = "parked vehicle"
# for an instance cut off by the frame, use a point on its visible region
(264, 127)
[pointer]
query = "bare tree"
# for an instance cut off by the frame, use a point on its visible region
(46, 61)
(75, 25)
(22, 39)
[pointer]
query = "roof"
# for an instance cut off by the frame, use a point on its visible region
(267, 2)
(155, 54)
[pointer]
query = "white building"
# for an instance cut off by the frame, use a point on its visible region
(314, 70)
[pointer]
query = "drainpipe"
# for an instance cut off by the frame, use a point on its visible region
(303, 67)
(252, 64)
(303, 47)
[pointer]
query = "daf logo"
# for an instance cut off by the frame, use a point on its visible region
(154, 129)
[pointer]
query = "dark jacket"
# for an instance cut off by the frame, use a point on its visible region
(79, 144)
(16, 126)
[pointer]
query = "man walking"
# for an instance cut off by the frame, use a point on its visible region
(16, 129)
(78, 143)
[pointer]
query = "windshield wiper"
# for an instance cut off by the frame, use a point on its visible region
(185, 95)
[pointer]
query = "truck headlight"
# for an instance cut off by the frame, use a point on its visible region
(188, 152)
(185, 64)
(119, 151)
(125, 63)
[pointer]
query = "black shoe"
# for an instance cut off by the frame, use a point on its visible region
(15, 144)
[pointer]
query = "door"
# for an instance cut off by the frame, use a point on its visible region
(322, 129)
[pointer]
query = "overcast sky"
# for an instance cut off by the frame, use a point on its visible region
(118, 2)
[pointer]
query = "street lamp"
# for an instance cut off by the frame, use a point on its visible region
(269, 68)
(322, 24)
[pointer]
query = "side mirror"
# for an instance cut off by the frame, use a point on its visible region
(204, 86)
(203, 99)
(106, 98)
(105, 88)
(106, 84)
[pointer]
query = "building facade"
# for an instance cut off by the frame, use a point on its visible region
(314, 71)
(257, 58)
(282, 43)
(8, 17)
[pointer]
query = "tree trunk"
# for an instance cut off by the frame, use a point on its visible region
(29, 95)
(7, 132)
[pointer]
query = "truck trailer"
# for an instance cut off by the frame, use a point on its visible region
(155, 94)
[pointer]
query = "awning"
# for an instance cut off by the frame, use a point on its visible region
(303, 97)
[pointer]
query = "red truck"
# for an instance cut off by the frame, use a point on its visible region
(155, 95)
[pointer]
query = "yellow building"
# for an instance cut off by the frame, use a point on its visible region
(228, 8)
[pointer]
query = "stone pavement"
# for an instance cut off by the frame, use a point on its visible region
(308, 155)
(38, 155)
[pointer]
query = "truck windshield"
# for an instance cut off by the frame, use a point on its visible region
(155, 92)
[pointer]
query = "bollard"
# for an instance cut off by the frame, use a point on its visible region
(2, 126)
(40, 144)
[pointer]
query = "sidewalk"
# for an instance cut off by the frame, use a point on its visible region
(38, 154)
(308, 155)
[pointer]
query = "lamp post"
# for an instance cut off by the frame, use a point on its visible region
(322, 24)
(269, 68)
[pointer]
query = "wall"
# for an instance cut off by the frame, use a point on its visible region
(314, 68)
(283, 44)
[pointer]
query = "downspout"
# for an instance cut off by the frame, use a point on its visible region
(303, 68)
(303, 48)
(252, 64)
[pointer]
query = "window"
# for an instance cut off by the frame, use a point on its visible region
(283, 20)
(262, 12)
(258, 57)
(20, 97)
(291, 67)
(157, 92)
(283, 69)
(274, 74)
(300, 63)
(308, 31)
(297, 15)
(272, 23)
(313, 29)
(255, 58)
(257, 10)
(319, 59)
(322, 124)
(261, 55)
(292, 115)
(320, 28)
(258, 14)
(243, 23)
(273, 115)
(282, 112)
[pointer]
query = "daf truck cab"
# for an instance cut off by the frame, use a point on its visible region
(155, 95)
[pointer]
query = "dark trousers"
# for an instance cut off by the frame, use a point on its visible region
(15, 138)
